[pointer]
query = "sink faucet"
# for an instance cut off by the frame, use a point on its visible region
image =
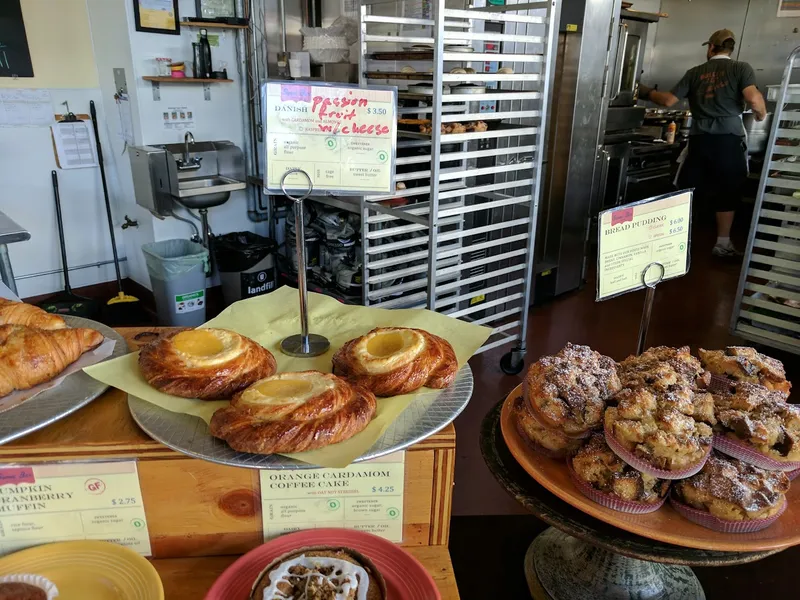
(187, 163)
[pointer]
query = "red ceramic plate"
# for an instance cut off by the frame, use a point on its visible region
(406, 578)
(665, 524)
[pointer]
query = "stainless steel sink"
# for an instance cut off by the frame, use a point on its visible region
(206, 192)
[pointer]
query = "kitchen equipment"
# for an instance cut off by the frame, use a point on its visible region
(122, 308)
(757, 132)
(66, 302)
(205, 55)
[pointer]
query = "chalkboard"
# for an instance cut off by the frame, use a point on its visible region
(15, 57)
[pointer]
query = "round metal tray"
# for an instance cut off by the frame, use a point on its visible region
(75, 392)
(427, 414)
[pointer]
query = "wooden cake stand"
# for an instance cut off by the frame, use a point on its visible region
(582, 558)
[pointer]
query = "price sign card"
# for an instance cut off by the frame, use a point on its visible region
(343, 136)
(633, 236)
(365, 496)
(47, 503)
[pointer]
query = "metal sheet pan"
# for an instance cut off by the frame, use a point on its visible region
(75, 392)
(428, 413)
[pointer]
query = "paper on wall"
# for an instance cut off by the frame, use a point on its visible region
(74, 142)
(177, 118)
(25, 107)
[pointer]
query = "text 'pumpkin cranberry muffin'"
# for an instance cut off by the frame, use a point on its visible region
(602, 476)
(731, 496)
(568, 391)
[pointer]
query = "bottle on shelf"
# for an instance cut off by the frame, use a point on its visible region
(672, 128)
(205, 55)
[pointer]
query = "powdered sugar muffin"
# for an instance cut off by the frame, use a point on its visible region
(744, 364)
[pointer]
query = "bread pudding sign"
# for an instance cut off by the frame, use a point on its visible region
(642, 243)
(344, 137)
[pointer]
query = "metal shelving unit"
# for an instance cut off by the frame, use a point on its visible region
(767, 308)
(459, 238)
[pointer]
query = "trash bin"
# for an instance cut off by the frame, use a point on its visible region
(177, 271)
(246, 265)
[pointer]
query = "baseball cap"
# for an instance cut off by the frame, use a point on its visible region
(718, 37)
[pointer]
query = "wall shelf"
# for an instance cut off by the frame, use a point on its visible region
(184, 80)
(212, 25)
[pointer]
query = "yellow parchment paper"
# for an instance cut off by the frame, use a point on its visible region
(270, 318)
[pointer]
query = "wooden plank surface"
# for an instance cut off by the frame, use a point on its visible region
(185, 578)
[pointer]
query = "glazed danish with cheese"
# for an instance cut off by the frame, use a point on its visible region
(207, 364)
(294, 412)
(390, 361)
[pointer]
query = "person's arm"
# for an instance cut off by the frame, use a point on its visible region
(667, 99)
(756, 101)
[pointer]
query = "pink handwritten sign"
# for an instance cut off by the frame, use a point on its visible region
(296, 93)
(17, 475)
(622, 215)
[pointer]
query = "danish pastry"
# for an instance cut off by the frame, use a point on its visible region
(19, 313)
(31, 356)
(390, 361)
(294, 412)
(206, 364)
(740, 363)
(320, 573)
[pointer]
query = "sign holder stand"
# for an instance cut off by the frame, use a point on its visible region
(650, 295)
(304, 344)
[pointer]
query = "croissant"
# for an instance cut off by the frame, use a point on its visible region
(31, 356)
(19, 313)
(390, 361)
(204, 363)
(294, 412)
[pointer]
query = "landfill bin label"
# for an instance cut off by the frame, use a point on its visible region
(185, 303)
(257, 283)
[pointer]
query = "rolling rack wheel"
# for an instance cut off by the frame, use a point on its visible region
(513, 362)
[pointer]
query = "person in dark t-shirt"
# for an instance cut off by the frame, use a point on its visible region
(718, 92)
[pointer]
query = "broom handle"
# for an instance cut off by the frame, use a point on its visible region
(93, 113)
(67, 287)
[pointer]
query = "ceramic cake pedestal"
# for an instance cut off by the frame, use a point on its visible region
(582, 558)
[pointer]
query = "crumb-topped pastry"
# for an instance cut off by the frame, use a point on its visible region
(294, 412)
(569, 391)
(596, 465)
(666, 434)
(741, 363)
(754, 418)
(729, 490)
(320, 573)
(660, 368)
(390, 361)
(549, 442)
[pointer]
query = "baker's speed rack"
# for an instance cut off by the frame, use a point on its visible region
(458, 235)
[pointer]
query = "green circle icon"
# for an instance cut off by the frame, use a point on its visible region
(682, 247)
(334, 504)
(330, 143)
(383, 155)
(137, 523)
(392, 512)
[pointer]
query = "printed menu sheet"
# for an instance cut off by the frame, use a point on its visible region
(47, 503)
(632, 237)
(343, 137)
(366, 496)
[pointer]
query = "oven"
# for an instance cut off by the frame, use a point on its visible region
(634, 169)
(628, 63)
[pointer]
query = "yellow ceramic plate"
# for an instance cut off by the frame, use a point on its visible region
(89, 569)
